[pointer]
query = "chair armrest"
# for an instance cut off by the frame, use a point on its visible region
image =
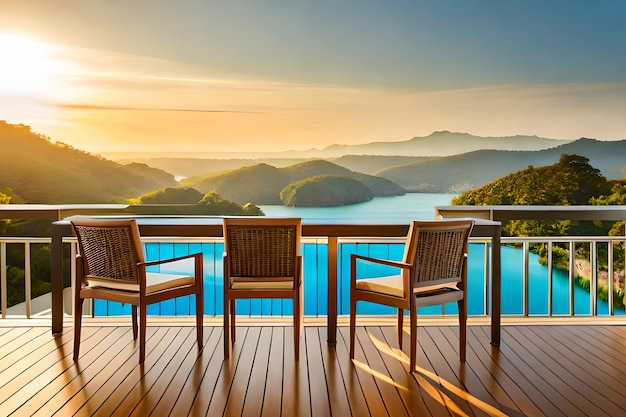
(197, 256)
(387, 262)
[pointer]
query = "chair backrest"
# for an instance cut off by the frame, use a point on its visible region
(437, 250)
(111, 248)
(262, 247)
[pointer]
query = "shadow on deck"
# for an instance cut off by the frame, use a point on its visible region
(550, 370)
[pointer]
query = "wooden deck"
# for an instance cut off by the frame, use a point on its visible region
(540, 370)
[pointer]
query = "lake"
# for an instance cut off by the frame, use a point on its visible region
(400, 209)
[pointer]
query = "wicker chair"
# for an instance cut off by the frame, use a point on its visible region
(111, 266)
(262, 260)
(433, 271)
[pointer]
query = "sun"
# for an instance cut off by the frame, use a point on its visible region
(28, 66)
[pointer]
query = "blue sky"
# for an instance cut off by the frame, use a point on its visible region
(251, 75)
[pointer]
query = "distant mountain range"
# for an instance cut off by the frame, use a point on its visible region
(40, 171)
(450, 174)
(460, 173)
(367, 158)
(443, 144)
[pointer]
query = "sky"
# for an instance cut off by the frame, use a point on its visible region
(272, 75)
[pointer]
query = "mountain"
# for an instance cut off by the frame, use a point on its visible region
(462, 172)
(40, 171)
(191, 167)
(436, 144)
(367, 158)
(262, 183)
(371, 164)
(325, 191)
(443, 144)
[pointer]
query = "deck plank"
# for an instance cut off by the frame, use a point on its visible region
(337, 396)
(67, 378)
(507, 395)
(130, 373)
(523, 377)
(166, 378)
(352, 385)
(296, 388)
(481, 398)
(409, 389)
(320, 400)
(578, 393)
(216, 378)
(272, 396)
(375, 364)
(181, 394)
(539, 370)
(234, 385)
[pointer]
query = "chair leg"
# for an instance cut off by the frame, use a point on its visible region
(352, 325)
(400, 324)
(200, 318)
(296, 326)
(78, 316)
(462, 329)
(413, 337)
(233, 316)
(142, 331)
(134, 318)
(226, 328)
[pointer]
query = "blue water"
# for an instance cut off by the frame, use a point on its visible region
(380, 210)
(401, 209)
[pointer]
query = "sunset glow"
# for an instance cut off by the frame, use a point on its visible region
(28, 67)
(314, 76)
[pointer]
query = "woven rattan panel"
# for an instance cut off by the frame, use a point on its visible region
(266, 251)
(439, 255)
(108, 252)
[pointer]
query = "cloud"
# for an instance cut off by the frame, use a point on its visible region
(104, 107)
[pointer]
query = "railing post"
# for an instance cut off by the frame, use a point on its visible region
(610, 260)
(28, 280)
(549, 278)
(593, 288)
(525, 283)
(332, 290)
(486, 275)
(3, 278)
(572, 269)
(56, 270)
(496, 286)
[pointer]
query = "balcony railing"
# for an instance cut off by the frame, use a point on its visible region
(528, 290)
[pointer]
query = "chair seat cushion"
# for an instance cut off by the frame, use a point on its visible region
(155, 282)
(393, 286)
(441, 295)
(261, 283)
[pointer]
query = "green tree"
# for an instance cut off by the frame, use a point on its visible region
(213, 203)
(171, 195)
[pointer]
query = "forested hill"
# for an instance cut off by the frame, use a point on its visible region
(462, 172)
(40, 171)
(570, 181)
(262, 183)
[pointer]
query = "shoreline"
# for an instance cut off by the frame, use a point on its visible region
(582, 268)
